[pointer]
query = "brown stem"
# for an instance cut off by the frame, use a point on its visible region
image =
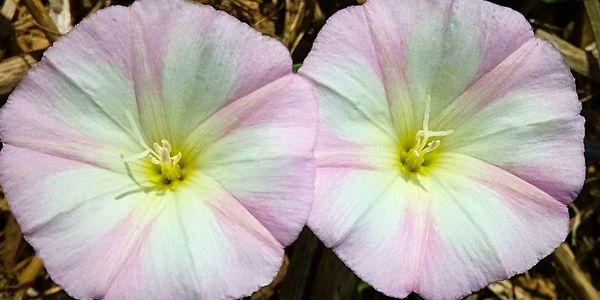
(39, 14)
(575, 277)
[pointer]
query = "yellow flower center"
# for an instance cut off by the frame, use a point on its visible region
(414, 158)
(159, 155)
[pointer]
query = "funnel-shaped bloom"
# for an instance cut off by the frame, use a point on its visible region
(160, 151)
(449, 144)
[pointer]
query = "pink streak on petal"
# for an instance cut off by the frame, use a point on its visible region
(71, 103)
(563, 190)
(260, 149)
(502, 30)
(148, 36)
(384, 247)
(518, 73)
(335, 152)
(204, 244)
(491, 225)
(47, 202)
(114, 253)
(199, 78)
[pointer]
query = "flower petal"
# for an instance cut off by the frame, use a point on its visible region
(349, 82)
(458, 43)
(149, 57)
(395, 56)
(374, 224)
(260, 149)
(204, 244)
(443, 235)
(355, 126)
(72, 103)
(487, 225)
(99, 226)
(343, 195)
(119, 241)
(183, 75)
(523, 116)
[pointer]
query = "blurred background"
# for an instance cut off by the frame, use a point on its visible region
(310, 271)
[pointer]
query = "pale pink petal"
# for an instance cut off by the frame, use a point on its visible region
(355, 125)
(523, 116)
(450, 44)
(383, 245)
(192, 60)
(351, 95)
(443, 235)
(203, 245)
(83, 221)
(118, 241)
(396, 54)
(164, 59)
(260, 149)
(72, 103)
(487, 225)
(344, 195)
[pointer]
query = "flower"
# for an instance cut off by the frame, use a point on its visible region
(449, 144)
(160, 151)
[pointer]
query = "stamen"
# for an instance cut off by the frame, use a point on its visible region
(158, 154)
(426, 113)
(136, 131)
(169, 165)
(136, 156)
(415, 157)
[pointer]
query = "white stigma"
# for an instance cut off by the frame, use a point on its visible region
(416, 156)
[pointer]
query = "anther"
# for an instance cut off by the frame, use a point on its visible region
(159, 154)
(169, 165)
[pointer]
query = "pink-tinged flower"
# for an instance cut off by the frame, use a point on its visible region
(160, 151)
(449, 144)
